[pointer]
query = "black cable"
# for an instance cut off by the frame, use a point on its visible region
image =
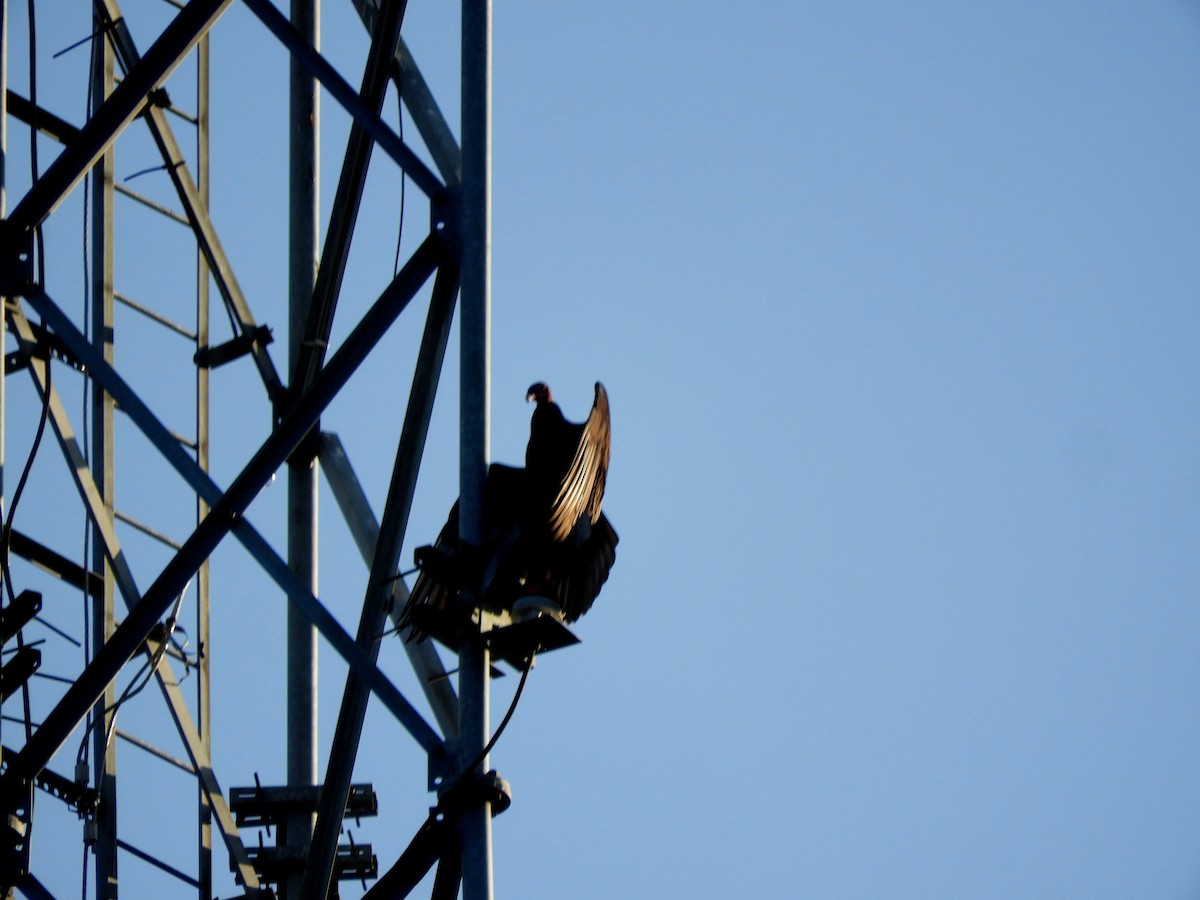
(6, 532)
(62, 634)
(33, 136)
(512, 708)
(87, 394)
(41, 280)
(427, 844)
(15, 720)
(31, 644)
(403, 183)
(136, 685)
(400, 575)
(140, 172)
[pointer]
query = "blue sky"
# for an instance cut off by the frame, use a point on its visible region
(896, 308)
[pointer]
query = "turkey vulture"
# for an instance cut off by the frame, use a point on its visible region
(544, 532)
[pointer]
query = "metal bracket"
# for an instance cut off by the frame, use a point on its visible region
(259, 806)
(519, 642)
(14, 836)
(16, 261)
(475, 789)
(236, 348)
(17, 614)
(48, 345)
(19, 670)
(353, 862)
(76, 795)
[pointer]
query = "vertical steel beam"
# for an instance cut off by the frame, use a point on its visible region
(121, 576)
(3, 164)
(382, 590)
(428, 118)
(418, 100)
(194, 206)
(136, 630)
(303, 227)
(3, 213)
(125, 102)
(364, 528)
(133, 632)
(346, 202)
(378, 319)
(475, 229)
(204, 862)
(103, 474)
(346, 96)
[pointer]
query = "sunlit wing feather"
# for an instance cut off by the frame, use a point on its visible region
(582, 490)
(563, 552)
(431, 594)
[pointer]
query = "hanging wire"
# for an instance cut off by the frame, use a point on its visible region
(512, 708)
(84, 878)
(140, 172)
(6, 533)
(33, 136)
(438, 813)
(467, 770)
(6, 537)
(17, 721)
(403, 184)
(62, 634)
(137, 684)
(99, 28)
(87, 393)
(31, 644)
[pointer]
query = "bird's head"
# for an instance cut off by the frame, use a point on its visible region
(539, 392)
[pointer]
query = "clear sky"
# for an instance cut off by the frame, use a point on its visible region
(896, 305)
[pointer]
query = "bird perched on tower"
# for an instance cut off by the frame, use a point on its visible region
(545, 534)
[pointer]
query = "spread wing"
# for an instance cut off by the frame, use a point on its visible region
(566, 556)
(582, 489)
(582, 580)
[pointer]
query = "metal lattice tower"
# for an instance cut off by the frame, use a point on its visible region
(77, 390)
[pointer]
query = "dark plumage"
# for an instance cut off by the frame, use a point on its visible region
(545, 533)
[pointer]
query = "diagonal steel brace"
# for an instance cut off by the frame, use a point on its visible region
(123, 576)
(389, 142)
(115, 113)
(194, 207)
(199, 480)
(138, 626)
